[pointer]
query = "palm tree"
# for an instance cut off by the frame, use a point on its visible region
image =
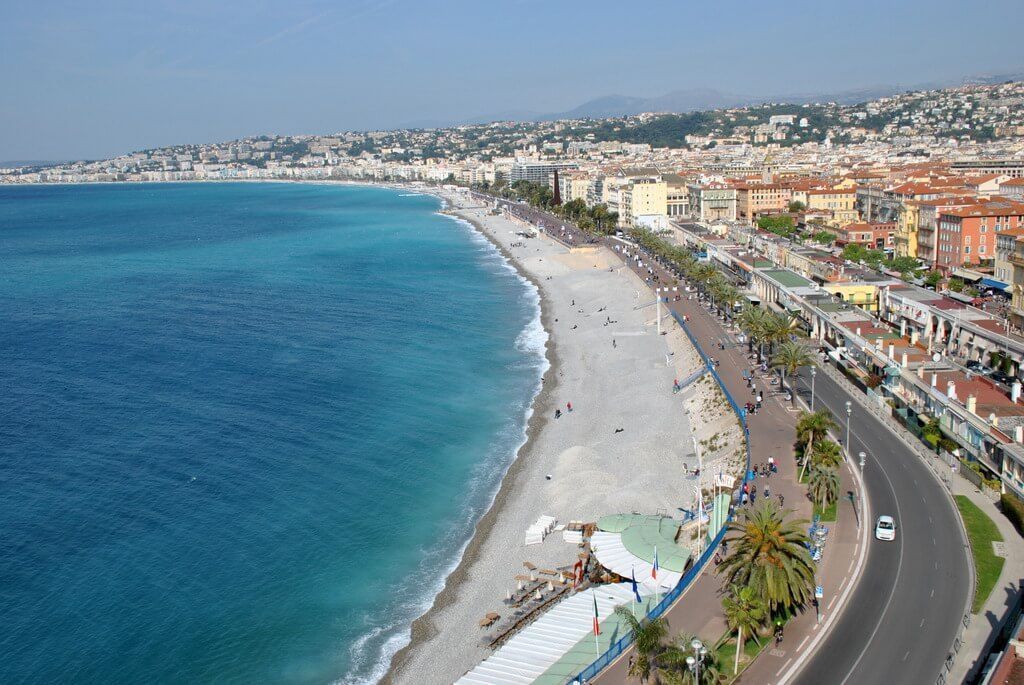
(810, 427)
(648, 635)
(752, 320)
(744, 610)
(677, 671)
(823, 484)
(767, 552)
(789, 358)
(702, 274)
(827, 454)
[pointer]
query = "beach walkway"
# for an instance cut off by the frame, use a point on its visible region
(772, 433)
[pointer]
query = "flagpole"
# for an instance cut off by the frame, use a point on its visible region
(597, 646)
(632, 576)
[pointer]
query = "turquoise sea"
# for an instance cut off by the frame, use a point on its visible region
(245, 429)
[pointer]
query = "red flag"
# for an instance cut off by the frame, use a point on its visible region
(597, 624)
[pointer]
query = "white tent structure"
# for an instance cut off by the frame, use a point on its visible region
(536, 648)
(614, 556)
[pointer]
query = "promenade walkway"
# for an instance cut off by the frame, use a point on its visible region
(772, 433)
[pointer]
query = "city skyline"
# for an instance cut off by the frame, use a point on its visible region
(107, 80)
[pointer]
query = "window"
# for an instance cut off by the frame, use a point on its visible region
(967, 250)
(981, 250)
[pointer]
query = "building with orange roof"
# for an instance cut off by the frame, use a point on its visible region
(754, 199)
(967, 235)
(875, 236)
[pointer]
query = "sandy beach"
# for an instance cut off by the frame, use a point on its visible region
(618, 374)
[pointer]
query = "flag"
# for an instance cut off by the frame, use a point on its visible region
(597, 624)
(654, 569)
(632, 580)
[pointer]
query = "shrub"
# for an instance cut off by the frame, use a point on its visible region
(1013, 509)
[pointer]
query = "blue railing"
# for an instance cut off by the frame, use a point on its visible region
(623, 643)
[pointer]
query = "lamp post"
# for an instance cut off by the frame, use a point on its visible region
(849, 411)
(700, 652)
(863, 459)
(814, 372)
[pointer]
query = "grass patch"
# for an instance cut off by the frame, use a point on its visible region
(726, 653)
(829, 513)
(981, 532)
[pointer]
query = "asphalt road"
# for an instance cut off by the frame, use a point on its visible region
(901, 619)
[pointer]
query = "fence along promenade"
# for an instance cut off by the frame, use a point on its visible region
(618, 647)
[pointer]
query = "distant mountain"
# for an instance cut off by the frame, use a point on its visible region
(697, 99)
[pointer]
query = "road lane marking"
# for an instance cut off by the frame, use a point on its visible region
(801, 645)
(922, 620)
(862, 554)
(933, 592)
(783, 667)
(906, 655)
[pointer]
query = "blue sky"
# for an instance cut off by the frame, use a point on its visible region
(92, 79)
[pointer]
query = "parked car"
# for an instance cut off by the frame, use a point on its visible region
(885, 528)
(1001, 377)
(974, 365)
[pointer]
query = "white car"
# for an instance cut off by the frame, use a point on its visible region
(885, 528)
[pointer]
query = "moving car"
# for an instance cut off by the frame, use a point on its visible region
(885, 528)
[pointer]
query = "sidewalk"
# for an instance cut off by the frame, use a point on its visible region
(771, 434)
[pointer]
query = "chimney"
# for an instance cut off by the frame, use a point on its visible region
(935, 380)
(972, 404)
(920, 372)
(903, 328)
(914, 336)
(951, 390)
(878, 344)
(994, 420)
(858, 330)
(1018, 434)
(903, 360)
(1015, 392)
(892, 352)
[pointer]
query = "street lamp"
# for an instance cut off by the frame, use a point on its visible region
(814, 372)
(700, 652)
(849, 411)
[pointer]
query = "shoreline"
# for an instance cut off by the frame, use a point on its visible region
(575, 468)
(542, 404)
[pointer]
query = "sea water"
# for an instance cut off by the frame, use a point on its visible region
(245, 429)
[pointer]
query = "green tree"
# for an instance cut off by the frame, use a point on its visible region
(752, 321)
(932, 279)
(826, 454)
(648, 635)
(810, 427)
(768, 552)
(796, 206)
(678, 672)
(789, 358)
(744, 611)
(823, 484)
(955, 285)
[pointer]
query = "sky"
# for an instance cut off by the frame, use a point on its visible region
(88, 80)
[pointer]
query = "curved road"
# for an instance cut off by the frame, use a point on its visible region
(903, 615)
(900, 621)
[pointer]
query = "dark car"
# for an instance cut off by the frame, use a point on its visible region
(975, 366)
(1001, 377)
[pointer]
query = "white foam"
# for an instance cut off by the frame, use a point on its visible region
(532, 340)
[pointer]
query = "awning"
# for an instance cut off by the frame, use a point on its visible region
(993, 283)
(968, 275)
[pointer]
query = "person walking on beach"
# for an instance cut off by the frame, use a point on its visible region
(613, 343)
(568, 406)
